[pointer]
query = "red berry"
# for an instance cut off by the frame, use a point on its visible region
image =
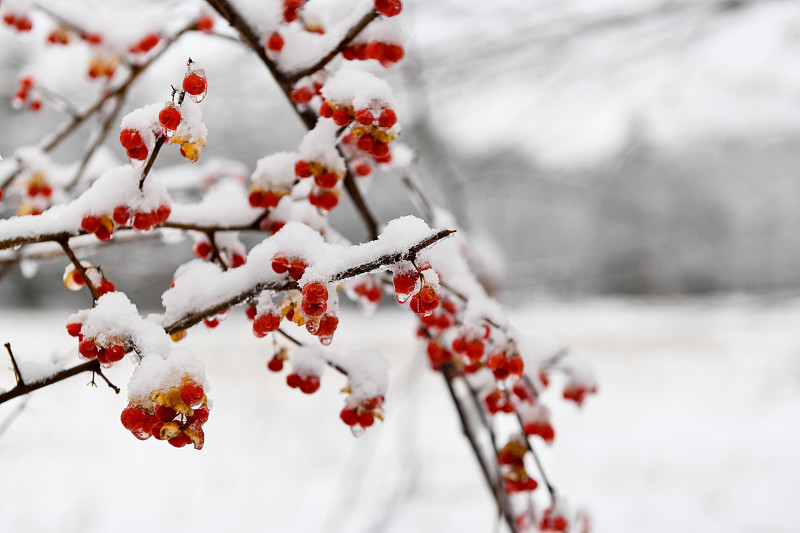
(74, 329)
(387, 119)
(121, 215)
(302, 95)
(199, 417)
(363, 169)
(237, 260)
(327, 180)
(130, 138)
(375, 50)
(364, 116)
(211, 322)
(349, 416)
(132, 418)
(275, 42)
(192, 394)
(365, 143)
(181, 440)
(93, 38)
(315, 293)
(275, 364)
(392, 53)
(162, 213)
(90, 223)
(264, 324)
(341, 116)
(105, 287)
(205, 24)
(194, 84)
(302, 169)
(88, 349)
(297, 269)
(143, 221)
(170, 117)
(325, 110)
(310, 385)
(323, 199)
(388, 8)
(165, 413)
(115, 353)
(293, 380)
(349, 53)
(327, 326)
(138, 153)
(405, 281)
(379, 149)
(366, 419)
(202, 249)
(280, 264)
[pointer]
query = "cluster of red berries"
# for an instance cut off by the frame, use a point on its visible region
(90, 349)
(388, 8)
(371, 132)
(303, 94)
(203, 250)
(37, 186)
(323, 195)
(213, 321)
(498, 401)
(307, 384)
(410, 285)
(123, 216)
(101, 66)
(515, 477)
(176, 417)
(21, 22)
(290, 9)
(369, 291)
(358, 164)
(295, 266)
(363, 414)
(23, 94)
(542, 428)
(553, 521)
(386, 53)
(503, 365)
(133, 143)
(145, 44)
(59, 36)
(577, 392)
(266, 199)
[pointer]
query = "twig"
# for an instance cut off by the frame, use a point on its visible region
(88, 366)
(13, 416)
(151, 160)
(79, 267)
(104, 128)
(351, 34)
(500, 496)
(17, 373)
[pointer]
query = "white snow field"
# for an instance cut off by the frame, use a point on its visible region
(695, 428)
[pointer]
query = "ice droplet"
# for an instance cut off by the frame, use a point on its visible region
(29, 268)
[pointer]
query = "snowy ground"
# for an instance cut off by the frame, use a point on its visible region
(694, 429)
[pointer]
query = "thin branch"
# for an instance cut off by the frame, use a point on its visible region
(58, 100)
(88, 366)
(104, 129)
(79, 267)
(157, 148)
(351, 34)
(500, 496)
(215, 254)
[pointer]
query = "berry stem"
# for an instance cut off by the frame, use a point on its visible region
(159, 143)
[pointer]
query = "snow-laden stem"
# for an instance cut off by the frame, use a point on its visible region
(88, 366)
(364, 268)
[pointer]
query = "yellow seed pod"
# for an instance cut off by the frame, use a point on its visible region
(173, 398)
(178, 335)
(316, 168)
(193, 436)
(170, 430)
(158, 397)
(184, 409)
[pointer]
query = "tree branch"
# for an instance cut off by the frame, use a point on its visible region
(88, 366)
(79, 267)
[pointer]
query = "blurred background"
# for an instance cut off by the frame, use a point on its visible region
(628, 170)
